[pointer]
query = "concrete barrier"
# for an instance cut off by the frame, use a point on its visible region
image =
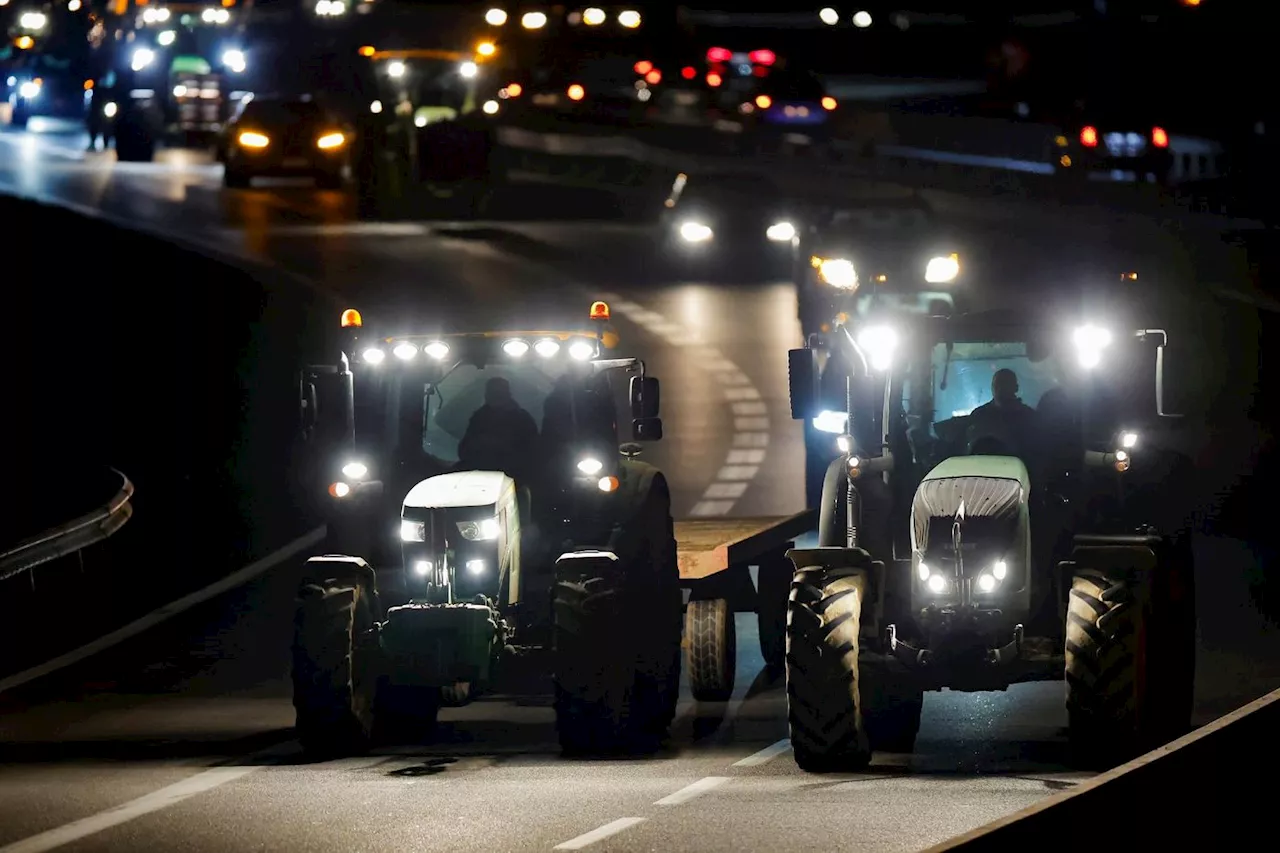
(1212, 788)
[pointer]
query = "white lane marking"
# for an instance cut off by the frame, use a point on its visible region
(600, 833)
(765, 755)
(693, 791)
(170, 795)
(166, 612)
(750, 414)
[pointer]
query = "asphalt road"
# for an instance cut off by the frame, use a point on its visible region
(180, 738)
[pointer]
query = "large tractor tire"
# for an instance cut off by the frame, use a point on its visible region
(616, 636)
(823, 698)
(1130, 660)
(711, 649)
(335, 658)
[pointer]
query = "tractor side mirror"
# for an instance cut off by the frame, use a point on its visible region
(646, 429)
(326, 405)
(646, 398)
(802, 376)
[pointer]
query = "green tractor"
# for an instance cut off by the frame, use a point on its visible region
(971, 547)
(470, 551)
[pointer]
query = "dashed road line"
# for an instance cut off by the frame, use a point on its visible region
(765, 755)
(751, 426)
(693, 791)
(600, 833)
(170, 795)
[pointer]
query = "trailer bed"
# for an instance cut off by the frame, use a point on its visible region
(708, 546)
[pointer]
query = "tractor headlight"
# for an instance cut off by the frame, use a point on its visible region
(831, 421)
(479, 531)
(355, 470)
(879, 343)
(30, 90)
(590, 466)
(1090, 342)
(942, 270)
(1128, 440)
(412, 531)
(838, 272)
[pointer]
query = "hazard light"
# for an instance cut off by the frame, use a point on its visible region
(576, 92)
(653, 78)
(351, 319)
(1089, 136)
(367, 50)
(714, 79)
(644, 66)
(828, 103)
(764, 102)
(1159, 138)
(762, 57)
(600, 311)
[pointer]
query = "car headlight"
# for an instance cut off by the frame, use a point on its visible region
(942, 270)
(781, 232)
(695, 232)
(29, 90)
(879, 343)
(1090, 341)
(412, 531)
(249, 139)
(479, 531)
(142, 57)
(838, 272)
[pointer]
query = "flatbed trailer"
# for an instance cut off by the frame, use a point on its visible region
(715, 558)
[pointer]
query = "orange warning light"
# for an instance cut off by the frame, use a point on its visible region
(367, 50)
(88, 84)
(351, 319)
(576, 92)
(600, 311)
(339, 490)
(24, 42)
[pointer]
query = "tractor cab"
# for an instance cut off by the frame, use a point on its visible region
(457, 457)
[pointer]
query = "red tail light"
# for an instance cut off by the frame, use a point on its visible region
(763, 57)
(644, 66)
(653, 78)
(688, 72)
(714, 79)
(1159, 138)
(719, 54)
(1089, 136)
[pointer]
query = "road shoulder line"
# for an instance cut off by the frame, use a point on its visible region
(166, 612)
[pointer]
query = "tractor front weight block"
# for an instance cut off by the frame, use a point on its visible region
(438, 645)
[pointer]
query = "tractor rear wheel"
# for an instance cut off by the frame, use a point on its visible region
(335, 661)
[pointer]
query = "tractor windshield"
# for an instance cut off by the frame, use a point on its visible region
(420, 419)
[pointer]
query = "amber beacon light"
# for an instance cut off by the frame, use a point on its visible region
(600, 311)
(351, 319)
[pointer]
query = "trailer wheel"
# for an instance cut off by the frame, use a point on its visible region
(824, 702)
(1130, 662)
(711, 649)
(335, 654)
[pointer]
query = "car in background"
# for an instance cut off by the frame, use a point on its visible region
(42, 86)
(716, 219)
(876, 255)
(1123, 141)
(793, 102)
(285, 137)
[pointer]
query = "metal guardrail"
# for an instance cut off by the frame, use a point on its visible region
(72, 536)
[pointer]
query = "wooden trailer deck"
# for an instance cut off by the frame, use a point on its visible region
(708, 546)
